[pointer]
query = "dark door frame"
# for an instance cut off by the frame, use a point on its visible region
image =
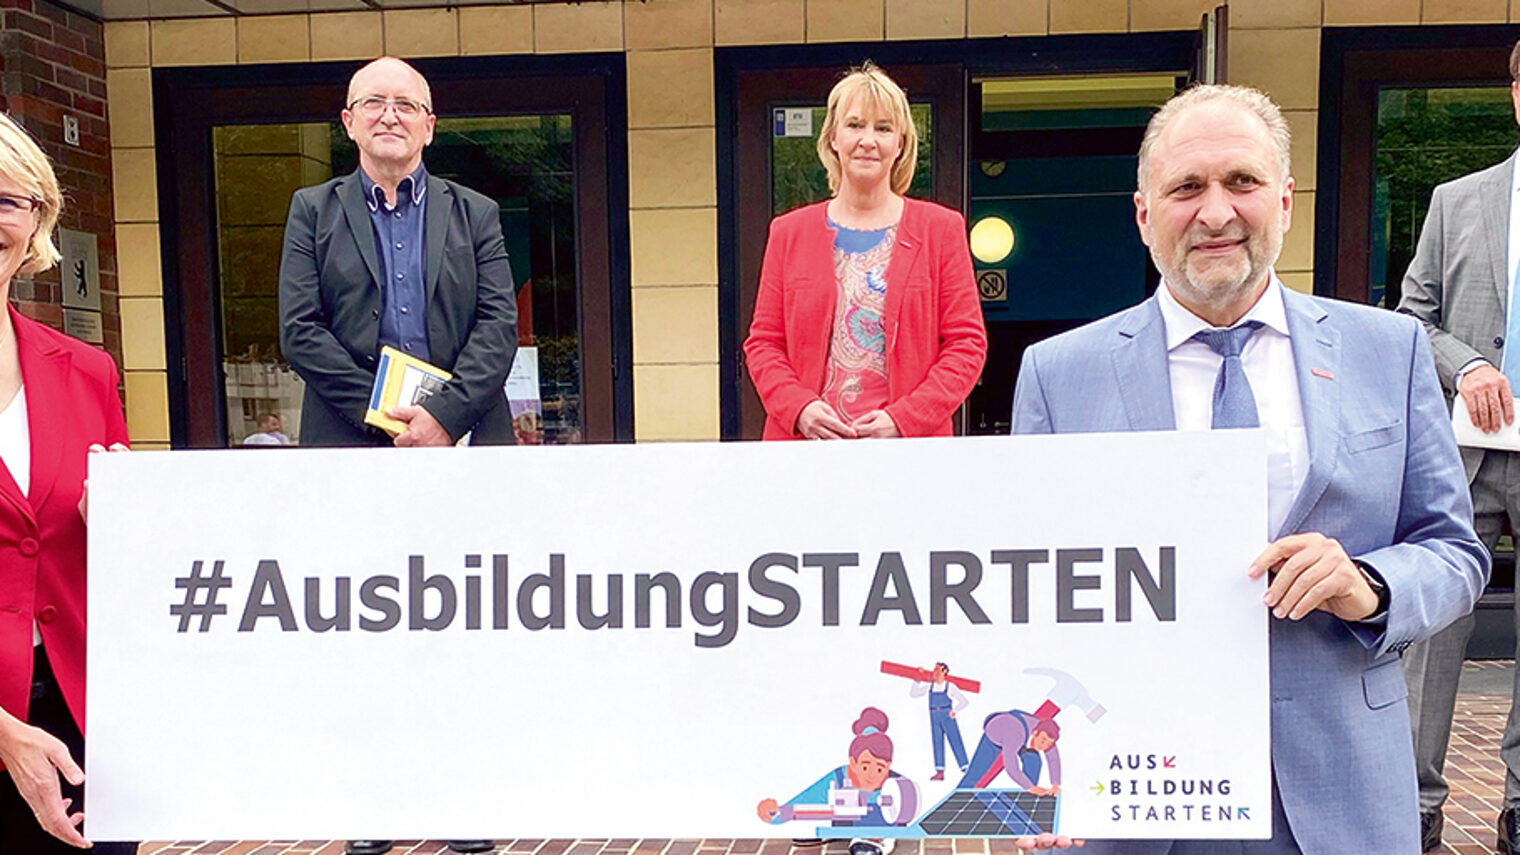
(738, 271)
(1354, 64)
(758, 91)
(189, 102)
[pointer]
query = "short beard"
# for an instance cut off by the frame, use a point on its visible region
(1229, 288)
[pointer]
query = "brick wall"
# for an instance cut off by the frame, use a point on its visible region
(52, 64)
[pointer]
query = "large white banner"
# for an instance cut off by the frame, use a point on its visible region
(693, 640)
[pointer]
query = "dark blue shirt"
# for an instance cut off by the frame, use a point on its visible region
(398, 234)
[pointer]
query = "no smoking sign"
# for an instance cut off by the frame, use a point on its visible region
(993, 285)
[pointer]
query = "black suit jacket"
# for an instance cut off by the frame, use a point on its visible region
(330, 305)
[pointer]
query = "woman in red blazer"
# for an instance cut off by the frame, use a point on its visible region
(867, 322)
(57, 399)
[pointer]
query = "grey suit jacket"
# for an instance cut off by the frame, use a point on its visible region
(330, 306)
(1383, 479)
(1458, 282)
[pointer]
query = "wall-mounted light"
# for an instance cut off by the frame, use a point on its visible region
(991, 240)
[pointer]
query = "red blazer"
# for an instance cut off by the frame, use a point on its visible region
(936, 341)
(71, 402)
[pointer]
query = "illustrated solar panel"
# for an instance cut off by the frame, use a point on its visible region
(983, 813)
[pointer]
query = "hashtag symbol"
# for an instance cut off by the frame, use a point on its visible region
(193, 585)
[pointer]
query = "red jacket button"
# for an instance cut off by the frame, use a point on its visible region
(46, 614)
(28, 546)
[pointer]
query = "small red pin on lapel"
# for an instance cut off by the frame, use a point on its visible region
(1321, 372)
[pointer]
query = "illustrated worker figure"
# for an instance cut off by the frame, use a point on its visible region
(390, 255)
(1373, 546)
(945, 700)
(1461, 284)
(1020, 744)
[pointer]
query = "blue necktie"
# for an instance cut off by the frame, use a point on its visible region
(1509, 364)
(1234, 405)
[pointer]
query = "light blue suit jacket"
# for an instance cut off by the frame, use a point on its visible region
(1384, 479)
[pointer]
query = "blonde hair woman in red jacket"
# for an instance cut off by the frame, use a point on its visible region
(867, 322)
(57, 400)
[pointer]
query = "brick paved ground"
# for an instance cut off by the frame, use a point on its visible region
(1473, 770)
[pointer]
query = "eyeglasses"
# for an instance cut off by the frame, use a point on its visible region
(374, 106)
(18, 207)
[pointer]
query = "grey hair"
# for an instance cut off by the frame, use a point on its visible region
(1253, 100)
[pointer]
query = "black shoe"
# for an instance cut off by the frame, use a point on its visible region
(864, 847)
(367, 847)
(472, 845)
(1431, 825)
(1509, 830)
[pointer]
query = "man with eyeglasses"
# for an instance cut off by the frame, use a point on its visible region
(390, 255)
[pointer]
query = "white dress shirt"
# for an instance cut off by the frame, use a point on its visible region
(1514, 236)
(1268, 360)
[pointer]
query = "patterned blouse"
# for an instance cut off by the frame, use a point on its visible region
(855, 381)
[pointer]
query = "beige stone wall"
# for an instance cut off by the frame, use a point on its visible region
(1274, 44)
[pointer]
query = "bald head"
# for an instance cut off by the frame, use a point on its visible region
(383, 73)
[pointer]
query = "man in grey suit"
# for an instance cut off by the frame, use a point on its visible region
(1373, 546)
(1459, 285)
(390, 255)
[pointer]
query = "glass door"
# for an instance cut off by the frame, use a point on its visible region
(1411, 109)
(777, 169)
(1405, 118)
(545, 165)
(1053, 179)
(1426, 136)
(525, 163)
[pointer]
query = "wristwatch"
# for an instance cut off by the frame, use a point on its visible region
(1379, 587)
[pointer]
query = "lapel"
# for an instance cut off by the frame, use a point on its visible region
(1316, 345)
(1140, 363)
(351, 195)
(910, 241)
(1494, 193)
(437, 206)
(45, 371)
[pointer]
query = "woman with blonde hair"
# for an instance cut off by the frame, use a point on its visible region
(58, 402)
(867, 322)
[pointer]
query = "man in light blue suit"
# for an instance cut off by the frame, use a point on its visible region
(1374, 547)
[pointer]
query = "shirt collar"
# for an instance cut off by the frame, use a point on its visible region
(1181, 324)
(415, 184)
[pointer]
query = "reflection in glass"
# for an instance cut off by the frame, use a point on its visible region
(798, 178)
(1426, 137)
(258, 167)
(523, 162)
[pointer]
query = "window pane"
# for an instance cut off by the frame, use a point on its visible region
(523, 162)
(258, 167)
(1426, 137)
